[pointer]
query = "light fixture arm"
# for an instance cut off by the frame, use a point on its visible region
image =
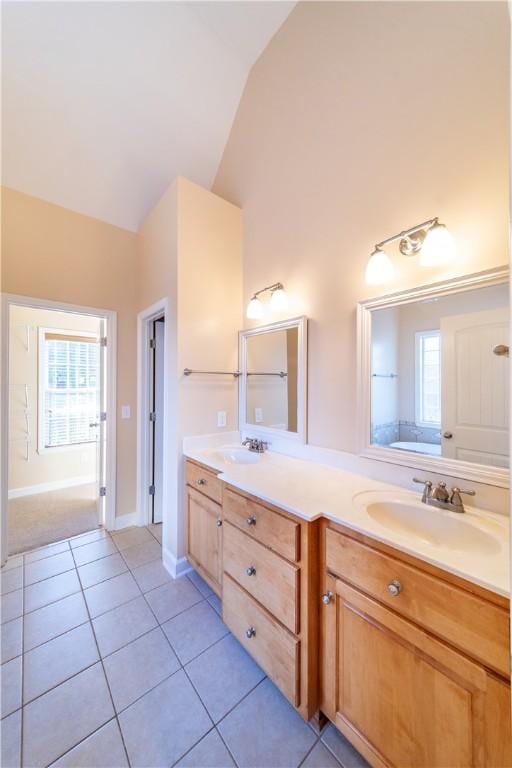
(273, 287)
(407, 233)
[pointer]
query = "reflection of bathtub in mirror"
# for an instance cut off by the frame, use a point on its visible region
(431, 449)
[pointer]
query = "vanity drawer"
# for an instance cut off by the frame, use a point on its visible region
(274, 582)
(274, 648)
(204, 481)
(275, 531)
(464, 620)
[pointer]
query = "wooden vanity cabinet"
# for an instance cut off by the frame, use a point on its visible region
(204, 523)
(270, 589)
(393, 680)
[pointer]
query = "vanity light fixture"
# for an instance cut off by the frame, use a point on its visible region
(278, 301)
(431, 239)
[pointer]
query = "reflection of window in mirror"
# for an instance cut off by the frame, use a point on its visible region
(272, 368)
(428, 379)
(437, 388)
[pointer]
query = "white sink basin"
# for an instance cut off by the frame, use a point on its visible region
(237, 455)
(437, 527)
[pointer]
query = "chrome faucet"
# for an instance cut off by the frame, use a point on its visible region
(440, 497)
(255, 445)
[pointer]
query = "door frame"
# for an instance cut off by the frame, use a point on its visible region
(108, 515)
(145, 319)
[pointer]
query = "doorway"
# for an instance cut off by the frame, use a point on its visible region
(156, 418)
(58, 443)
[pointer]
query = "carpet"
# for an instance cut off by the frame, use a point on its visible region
(47, 517)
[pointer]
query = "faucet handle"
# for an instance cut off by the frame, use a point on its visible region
(427, 487)
(456, 500)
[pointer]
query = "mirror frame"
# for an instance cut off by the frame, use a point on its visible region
(497, 476)
(301, 324)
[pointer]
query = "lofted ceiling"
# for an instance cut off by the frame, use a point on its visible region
(105, 103)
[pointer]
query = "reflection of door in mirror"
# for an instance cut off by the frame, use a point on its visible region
(475, 387)
(272, 360)
(436, 387)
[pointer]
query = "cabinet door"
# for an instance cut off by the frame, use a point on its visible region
(403, 698)
(204, 537)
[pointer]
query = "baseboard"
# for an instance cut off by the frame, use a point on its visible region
(175, 566)
(125, 521)
(56, 485)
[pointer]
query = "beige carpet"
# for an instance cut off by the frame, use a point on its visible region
(52, 516)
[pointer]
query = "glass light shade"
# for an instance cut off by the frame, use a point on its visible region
(379, 269)
(438, 247)
(278, 300)
(254, 309)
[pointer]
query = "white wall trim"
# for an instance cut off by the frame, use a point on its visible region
(56, 485)
(257, 430)
(125, 521)
(445, 466)
(110, 316)
(144, 320)
(175, 566)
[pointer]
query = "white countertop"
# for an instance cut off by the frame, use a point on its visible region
(310, 490)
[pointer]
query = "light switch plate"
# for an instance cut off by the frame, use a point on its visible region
(258, 415)
(126, 412)
(221, 418)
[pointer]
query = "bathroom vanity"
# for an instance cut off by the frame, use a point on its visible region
(366, 605)
(408, 659)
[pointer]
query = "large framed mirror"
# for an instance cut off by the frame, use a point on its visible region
(273, 379)
(434, 377)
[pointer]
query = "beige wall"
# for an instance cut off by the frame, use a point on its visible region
(189, 251)
(361, 119)
(53, 465)
(52, 253)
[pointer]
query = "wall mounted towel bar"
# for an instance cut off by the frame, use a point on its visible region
(282, 374)
(384, 375)
(189, 372)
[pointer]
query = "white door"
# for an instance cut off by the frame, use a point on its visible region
(101, 423)
(474, 387)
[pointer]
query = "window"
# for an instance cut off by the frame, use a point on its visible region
(428, 379)
(68, 388)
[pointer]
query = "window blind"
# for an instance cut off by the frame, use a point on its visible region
(70, 389)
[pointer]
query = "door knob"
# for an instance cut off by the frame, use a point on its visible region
(448, 435)
(501, 350)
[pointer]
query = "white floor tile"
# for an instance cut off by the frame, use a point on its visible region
(173, 598)
(211, 752)
(54, 619)
(61, 718)
(151, 575)
(103, 749)
(89, 552)
(131, 536)
(143, 553)
(193, 631)
(122, 625)
(109, 594)
(12, 638)
(162, 726)
(11, 580)
(50, 566)
(10, 732)
(12, 605)
(10, 700)
(48, 551)
(50, 664)
(138, 667)
(50, 590)
(101, 570)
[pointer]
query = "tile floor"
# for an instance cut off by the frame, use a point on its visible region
(108, 662)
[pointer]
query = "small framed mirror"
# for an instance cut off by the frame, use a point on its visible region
(434, 377)
(273, 363)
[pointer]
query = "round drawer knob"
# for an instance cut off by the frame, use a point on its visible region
(219, 523)
(251, 520)
(326, 598)
(251, 632)
(251, 570)
(394, 588)
(201, 481)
